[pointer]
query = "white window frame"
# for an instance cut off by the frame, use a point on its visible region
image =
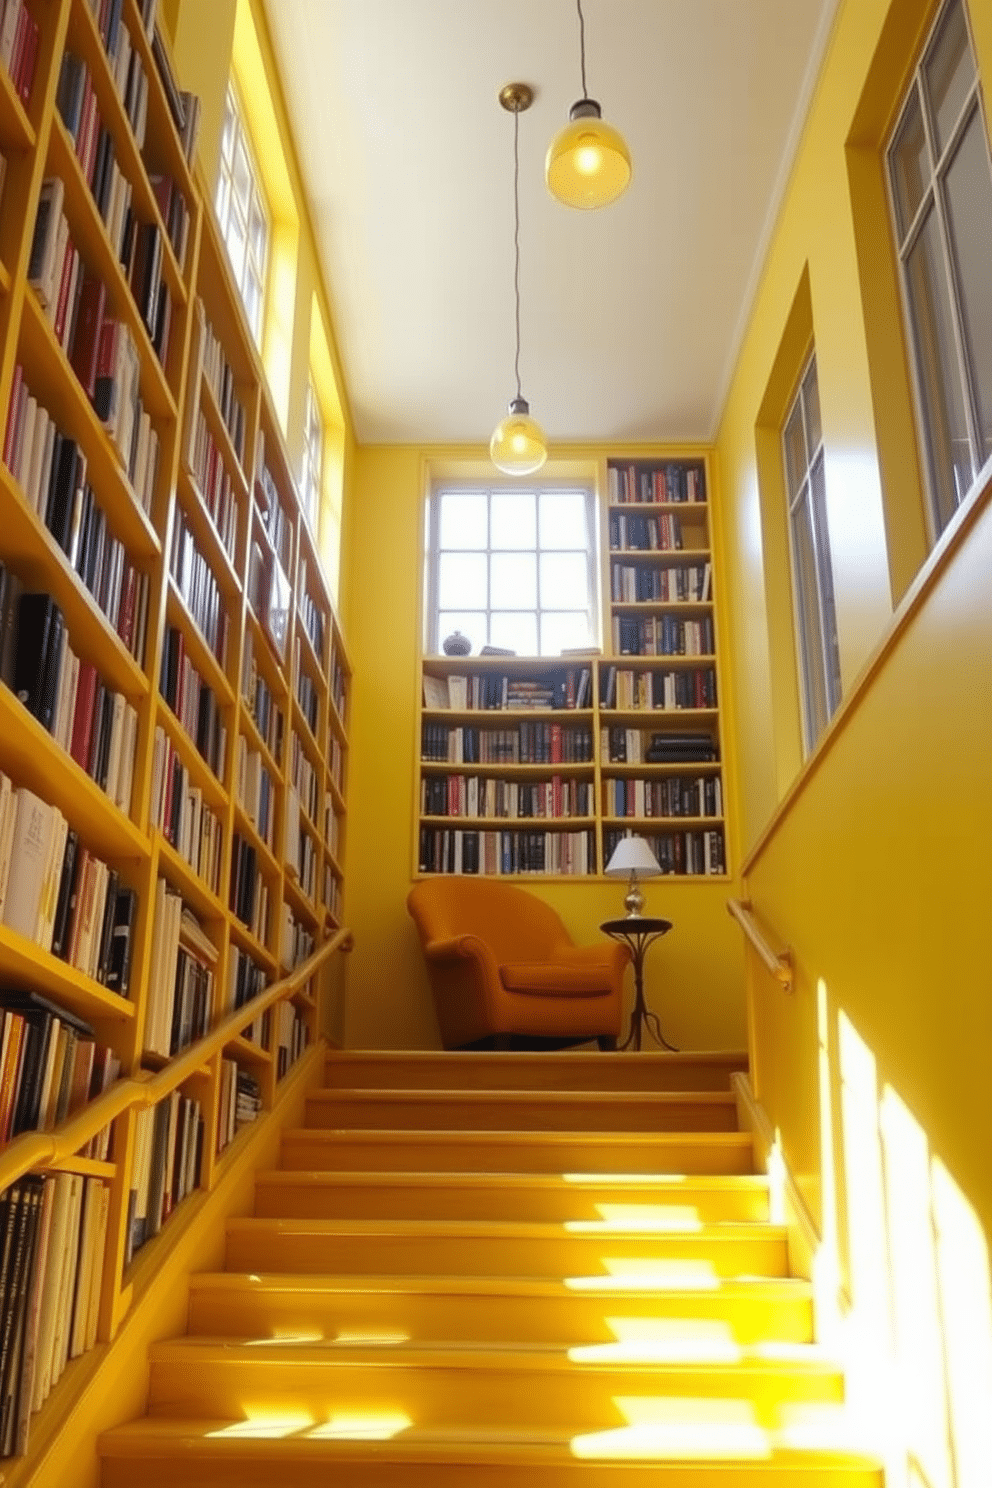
(433, 552)
(312, 478)
(817, 651)
(933, 200)
(235, 215)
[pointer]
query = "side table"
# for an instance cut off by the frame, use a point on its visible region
(637, 932)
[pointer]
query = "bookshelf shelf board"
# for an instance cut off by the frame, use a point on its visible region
(685, 509)
(32, 551)
(331, 860)
(208, 539)
(223, 440)
(84, 39)
(510, 666)
(662, 661)
(620, 769)
(635, 716)
(521, 877)
(687, 607)
(510, 823)
(181, 875)
(90, 236)
(497, 718)
(518, 771)
(302, 998)
(269, 865)
(31, 756)
(197, 649)
(304, 907)
(246, 1051)
(16, 130)
(246, 941)
(664, 823)
(689, 552)
(88, 1167)
(201, 774)
(4, 279)
(27, 964)
(53, 382)
(334, 790)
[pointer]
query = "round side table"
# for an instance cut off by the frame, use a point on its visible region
(637, 932)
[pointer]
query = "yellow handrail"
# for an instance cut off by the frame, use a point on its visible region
(779, 963)
(45, 1149)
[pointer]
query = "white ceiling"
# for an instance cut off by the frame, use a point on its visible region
(630, 316)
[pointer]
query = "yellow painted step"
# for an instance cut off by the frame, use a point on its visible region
(564, 1069)
(484, 1248)
(521, 1110)
(494, 1310)
(483, 1389)
(265, 1452)
(519, 1152)
(676, 1201)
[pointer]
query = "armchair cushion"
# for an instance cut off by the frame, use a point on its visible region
(556, 979)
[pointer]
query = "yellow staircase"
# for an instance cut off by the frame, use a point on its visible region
(505, 1271)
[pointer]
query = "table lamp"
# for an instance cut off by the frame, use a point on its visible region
(632, 858)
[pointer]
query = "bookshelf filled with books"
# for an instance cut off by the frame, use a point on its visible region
(538, 766)
(172, 678)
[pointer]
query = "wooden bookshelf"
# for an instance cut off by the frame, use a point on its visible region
(216, 431)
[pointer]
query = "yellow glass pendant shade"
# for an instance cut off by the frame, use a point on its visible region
(518, 446)
(588, 163)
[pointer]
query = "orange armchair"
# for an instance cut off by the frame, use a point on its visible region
(501, 962)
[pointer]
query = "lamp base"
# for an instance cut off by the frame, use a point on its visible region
(633, 900)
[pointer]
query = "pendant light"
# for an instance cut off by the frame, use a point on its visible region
(588, 164)
(518, 446)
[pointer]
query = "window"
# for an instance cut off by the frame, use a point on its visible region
(243, 213)
(313, 458)
(812, 576)
(512, 568)
(940, 184)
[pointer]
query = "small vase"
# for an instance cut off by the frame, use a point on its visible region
(456, 644)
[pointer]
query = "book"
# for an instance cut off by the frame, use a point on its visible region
(34, 824)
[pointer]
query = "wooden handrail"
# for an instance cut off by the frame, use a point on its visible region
(45, 1149)
(779, 963)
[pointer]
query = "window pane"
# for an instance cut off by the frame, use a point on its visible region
(470, 622)
(258, 232)
(824, 570)
(969, 212)
(940, 383)
(950, 72)
(223, 198)
(565, 628)
(512, 518)
(462, 580)
(463, 520)
(909, 165)
(513, 577)
(564, 523)
(518, 632)
(808, 610)
(795, 451)
(236, 245)
(564, 580)
(241, 176)
(811, 404)
(227, 138)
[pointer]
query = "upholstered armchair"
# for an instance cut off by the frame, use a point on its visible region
(501, 962)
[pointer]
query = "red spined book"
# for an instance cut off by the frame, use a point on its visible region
(82, 724)
(89, 322)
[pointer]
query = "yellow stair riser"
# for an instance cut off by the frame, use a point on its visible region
(712, 1153)
(427, 1196)
(744, 1312)
(563, 1070)
(568, 1111)
(160, 1457)
(316, 1247)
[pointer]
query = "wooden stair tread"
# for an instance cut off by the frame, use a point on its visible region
(604, 1287)
(714, 1230)
(677, 1187)
(736, 1140)
(360, 1096)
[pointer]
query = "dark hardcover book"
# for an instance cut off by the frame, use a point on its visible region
(102, 170)
(27, 1104)
(65, 475)
(65, 892)
(35, 613)
(102, 760)
(159, 1158)
(69, 98)
(15, 1298)
(11, 590)
(119, 969)
(54, 661)
(107, 928)
(86, 336)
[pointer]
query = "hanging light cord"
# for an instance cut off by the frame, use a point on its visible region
(582, 46)
(516, 239)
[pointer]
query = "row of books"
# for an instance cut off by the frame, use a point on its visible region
(694, 687)
(307, 694)
(19, 41)
(305, 778)
(690, 853)
(240, 1101)
(680, 583)
(180, 999)
(302, 856)
(629, 533)
(216, 369)
(672, 796)
(213, 482)
(58, 894)
(249, 892)
(54, 1231)
(195, 581)
(50, 1068)
(475, 796)
(568, 687)
(626, 746)
(296, 942)
(183, 106)
(275, 520)
(255, 790)
(335, 762)
(311, 613)
(332, 827)
(672, 480)
(96, 726)
(245, 980)
(291, 1036)
(178, 809)
(95, 149)
(662, 635)
(168, 1144)
(450, 850)
(192, 701)
(127, 72)
(332, 892)
(527, 744)
(260, 701)
(339, 683)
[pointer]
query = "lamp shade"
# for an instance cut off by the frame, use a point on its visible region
(518, 446)
(588, 163)
(632, 856)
